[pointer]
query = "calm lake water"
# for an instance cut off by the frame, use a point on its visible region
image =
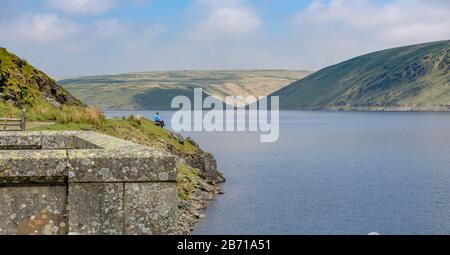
(333, 173)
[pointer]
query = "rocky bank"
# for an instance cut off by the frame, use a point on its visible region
(204, 180)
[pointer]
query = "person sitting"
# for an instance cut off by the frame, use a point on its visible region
(158, 120)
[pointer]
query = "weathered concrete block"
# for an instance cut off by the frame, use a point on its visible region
(106, 142)
(33, 210)
(96, 208)
(58, 142)
(138, 165)
(85, 145)
(33, 166)
(16, 141)
(150, 208)
(151, 165)
(97, 166)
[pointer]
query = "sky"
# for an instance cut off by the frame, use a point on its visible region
(68, 38)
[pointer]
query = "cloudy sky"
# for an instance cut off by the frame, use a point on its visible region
(68, 38)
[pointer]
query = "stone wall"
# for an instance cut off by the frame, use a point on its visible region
(84, 183)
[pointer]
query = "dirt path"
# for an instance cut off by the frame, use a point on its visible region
(33, 124)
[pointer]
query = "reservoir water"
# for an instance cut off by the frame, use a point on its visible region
(333, 173)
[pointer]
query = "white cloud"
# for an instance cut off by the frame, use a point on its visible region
(82, 7)
(63, 47)
(335, 30)
(41, 28)
(399, 20)
(225, 18)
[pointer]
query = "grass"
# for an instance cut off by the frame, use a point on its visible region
(19, 78)
(187, 177)
(26, 87)
(8, 110)
(44, 111)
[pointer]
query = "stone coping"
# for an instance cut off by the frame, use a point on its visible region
(80, 157)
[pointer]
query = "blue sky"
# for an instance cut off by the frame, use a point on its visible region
(84, 37)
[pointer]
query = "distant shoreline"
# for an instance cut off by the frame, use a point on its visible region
(387, 110)
(376, 109)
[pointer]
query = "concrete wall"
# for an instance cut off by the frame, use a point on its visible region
(84, 183)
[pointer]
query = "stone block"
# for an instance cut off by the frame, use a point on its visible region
(58, 142)
(81, 144)
(96, 208)
(150, 208)
(106, 142)
(97, 166)
(138, 165)
(32, 166)
(17, 140)
(33, 210)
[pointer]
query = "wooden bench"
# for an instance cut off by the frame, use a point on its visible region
(7, 124)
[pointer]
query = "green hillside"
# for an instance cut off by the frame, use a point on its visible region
(414, 77)
(23, 86)
(155, 90)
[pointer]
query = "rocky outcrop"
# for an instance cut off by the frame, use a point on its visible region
(22, 84)
(206, 163)
(206, 186)
(190, 210)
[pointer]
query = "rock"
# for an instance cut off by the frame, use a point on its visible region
(195, 213)
(177, 137)
(210, 168)
(189, 140)
(8, 96)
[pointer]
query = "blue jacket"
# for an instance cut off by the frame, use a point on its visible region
(156, 118)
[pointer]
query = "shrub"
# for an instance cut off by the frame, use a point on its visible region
(136, 119)
(80, 115)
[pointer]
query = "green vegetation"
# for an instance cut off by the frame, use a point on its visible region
(8, 110)
(22, 86)
(187, 177)
(411, 77)
(155, 90)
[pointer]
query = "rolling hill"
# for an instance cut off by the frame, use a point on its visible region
(411, 78)
(155, 90)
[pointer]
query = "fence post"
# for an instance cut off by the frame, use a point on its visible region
(23, 122)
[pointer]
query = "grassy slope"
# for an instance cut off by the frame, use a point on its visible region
(155, 90)
(23, 86)
(417, 76)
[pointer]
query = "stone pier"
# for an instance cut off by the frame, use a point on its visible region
(84, 183)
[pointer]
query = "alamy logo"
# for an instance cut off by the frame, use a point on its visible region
(237, 114)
